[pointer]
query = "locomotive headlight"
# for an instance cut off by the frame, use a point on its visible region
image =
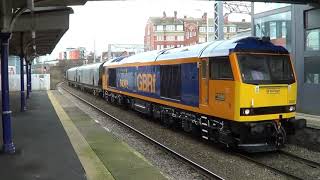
(292, 108)
(247, 111)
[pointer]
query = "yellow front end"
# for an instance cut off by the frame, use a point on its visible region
(255, 101)
(275, 97)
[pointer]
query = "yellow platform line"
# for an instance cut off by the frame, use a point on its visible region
(94, 168)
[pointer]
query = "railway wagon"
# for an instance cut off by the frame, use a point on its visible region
(71, 75)
(241, 93)
(87, 77)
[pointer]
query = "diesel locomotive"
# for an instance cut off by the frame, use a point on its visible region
(241, 92)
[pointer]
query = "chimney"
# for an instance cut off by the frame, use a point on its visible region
(204, 16)
(164, 14)
(175, 14)
(226, 19)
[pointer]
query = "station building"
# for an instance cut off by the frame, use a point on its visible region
(296, 27)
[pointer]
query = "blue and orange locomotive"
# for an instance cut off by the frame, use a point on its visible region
(241, 93)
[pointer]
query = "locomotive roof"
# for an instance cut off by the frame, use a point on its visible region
(209, 49)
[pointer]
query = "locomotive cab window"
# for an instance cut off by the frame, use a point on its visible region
(266, 69)
(220, 68)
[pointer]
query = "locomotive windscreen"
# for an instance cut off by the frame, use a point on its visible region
(266, 69)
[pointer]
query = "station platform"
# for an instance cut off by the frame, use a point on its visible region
(56, 142)
(313, 121)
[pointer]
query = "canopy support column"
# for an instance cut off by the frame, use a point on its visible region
(8, 146)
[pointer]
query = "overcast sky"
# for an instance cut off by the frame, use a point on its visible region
(116, 22)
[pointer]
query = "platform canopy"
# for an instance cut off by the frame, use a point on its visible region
(48, 3)
(47, 19)
(49, 24)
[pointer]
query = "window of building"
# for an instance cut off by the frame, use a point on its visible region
(284, 30)
(313, 40)
(273, 30)
(202, 39)
(312, 19)
(312, 70)
(160, 38)
(159, 27)
(202, 29)
(277, 27)
(225, 29)
(180, 38)
(170, 38)
(220, 68)
(179, 27)
(233, 29)
(158, 47)
(258, 30)
(170, 27)
(210, 29)
(312, 30)
(260, 7)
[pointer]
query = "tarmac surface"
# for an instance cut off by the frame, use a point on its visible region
(43, 147)
(57, 142)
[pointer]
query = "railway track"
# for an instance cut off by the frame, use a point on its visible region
(308, 162)
(209, 174)
(251, 159)
(203, 170)
(289, 173)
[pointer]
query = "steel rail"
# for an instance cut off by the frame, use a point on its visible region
(267, 166)
(196, 166)
(301, 159)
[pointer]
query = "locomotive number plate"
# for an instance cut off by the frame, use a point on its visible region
(273, 90)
